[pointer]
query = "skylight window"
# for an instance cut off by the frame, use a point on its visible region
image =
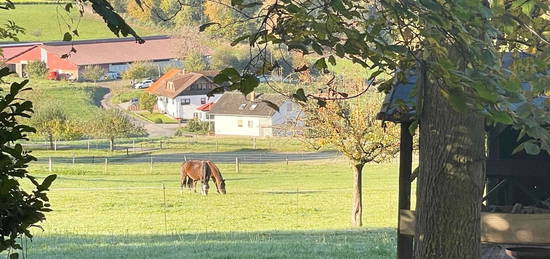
(253, 106)
(242, 106)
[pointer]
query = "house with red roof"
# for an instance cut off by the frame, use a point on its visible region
(183, 95)
(68, 59)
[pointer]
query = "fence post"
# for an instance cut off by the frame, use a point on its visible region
(93, 159)
(106, 162)
(151, 169)
(164, 198)
(50, 164)
(88, 145)
(55, 145)
(236, 164)
(254, 143)
(287, 160)
(127, 152)
(73, 158)
(133, 145)
(160, 144)
(185, 158)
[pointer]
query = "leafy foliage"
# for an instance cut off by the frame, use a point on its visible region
(196, 125)
(147, 101)
(93, 72)
(139, 70)
(20, 210)
(113, 124)
(36, 69)
(51, 122)
(195, 62)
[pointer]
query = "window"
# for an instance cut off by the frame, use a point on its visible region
(240, 123)
(171, 85)
(242, 106)
(251, 124)
(196, 115)
(185, 101)
(253, 106)
(203, 100)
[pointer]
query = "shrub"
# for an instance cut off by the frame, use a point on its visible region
(36, 69)
(157, 120)
(197, 126)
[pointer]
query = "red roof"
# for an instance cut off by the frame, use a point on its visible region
(9, 52)
(114, 51)
(162, 80)
(205, 107)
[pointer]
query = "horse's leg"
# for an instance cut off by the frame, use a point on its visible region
(183, 181)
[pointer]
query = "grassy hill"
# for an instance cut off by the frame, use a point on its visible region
(47, 22)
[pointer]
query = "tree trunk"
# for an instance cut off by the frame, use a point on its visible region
(357, 207)
(50, 137)
(450, 181)
(112, 144)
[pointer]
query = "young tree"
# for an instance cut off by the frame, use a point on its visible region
(93, 72)
(20, 209)
(147, 101)
(36, 69)
(50, 121)
(352, 128)
(139, 70)
(113, 124)
(195, 62)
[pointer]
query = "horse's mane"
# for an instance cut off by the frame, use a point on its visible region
(216, 169)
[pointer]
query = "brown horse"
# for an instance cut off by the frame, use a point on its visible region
(197, 170)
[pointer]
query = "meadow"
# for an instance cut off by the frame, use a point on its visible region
(272, 210)
(47, 22)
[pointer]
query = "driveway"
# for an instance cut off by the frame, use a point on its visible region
(154, 130)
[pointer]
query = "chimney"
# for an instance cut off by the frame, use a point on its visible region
(252, 96)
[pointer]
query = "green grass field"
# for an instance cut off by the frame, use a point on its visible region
(152, 117)
(47, 22)
(271, 211)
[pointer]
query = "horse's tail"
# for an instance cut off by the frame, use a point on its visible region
(183, 175)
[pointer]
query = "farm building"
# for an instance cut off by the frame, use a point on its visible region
(180, 94)
(235, 114)
(68, 59)
(517, 189)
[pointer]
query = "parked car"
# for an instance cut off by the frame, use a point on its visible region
(112, 76)
(143, 84)
(134, 101)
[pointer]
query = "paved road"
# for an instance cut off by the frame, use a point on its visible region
(154, 130)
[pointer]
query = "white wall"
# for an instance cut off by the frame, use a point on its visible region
(229, 125)
(174, 108)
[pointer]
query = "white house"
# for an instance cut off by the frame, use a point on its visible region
(236, 115)
(179, 94)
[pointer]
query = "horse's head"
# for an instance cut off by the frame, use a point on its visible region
(221, 187)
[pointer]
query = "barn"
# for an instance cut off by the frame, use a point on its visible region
(68, 59)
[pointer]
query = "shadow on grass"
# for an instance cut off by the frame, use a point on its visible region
(359, 243)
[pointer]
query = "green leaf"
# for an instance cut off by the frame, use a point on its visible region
(203, 27)
(239, 39)
(321, 64)
(248, 83)
(67, 37)
(528, 7)
(332, 60)
(14, 256)
(271, 105)
(68, 7)
(47, 182)
(531, 148)
(503, 117)
(300, 95)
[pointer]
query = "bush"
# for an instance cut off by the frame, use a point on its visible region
(197, 126)
(139, 70)
(157, 120)
(36, 69)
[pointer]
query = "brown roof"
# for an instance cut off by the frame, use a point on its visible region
(161, 82)
(110, 51)
(235, 103)
(181, 82)
(10, 51)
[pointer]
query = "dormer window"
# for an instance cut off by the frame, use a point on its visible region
(170, 85)
(242, 106)
(253, 106)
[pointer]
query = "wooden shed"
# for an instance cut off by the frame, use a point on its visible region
(518, 182)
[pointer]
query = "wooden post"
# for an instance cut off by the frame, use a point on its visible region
(160, 144)
(93, 159)
(404, 243)
(185, 158)
(286, 160)
(151, 164)
(236, 164)
(73, 158)
(55, 145)
(50, 164)
(133, 145)
(106, 161)
(88, 145)
(164, 199)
